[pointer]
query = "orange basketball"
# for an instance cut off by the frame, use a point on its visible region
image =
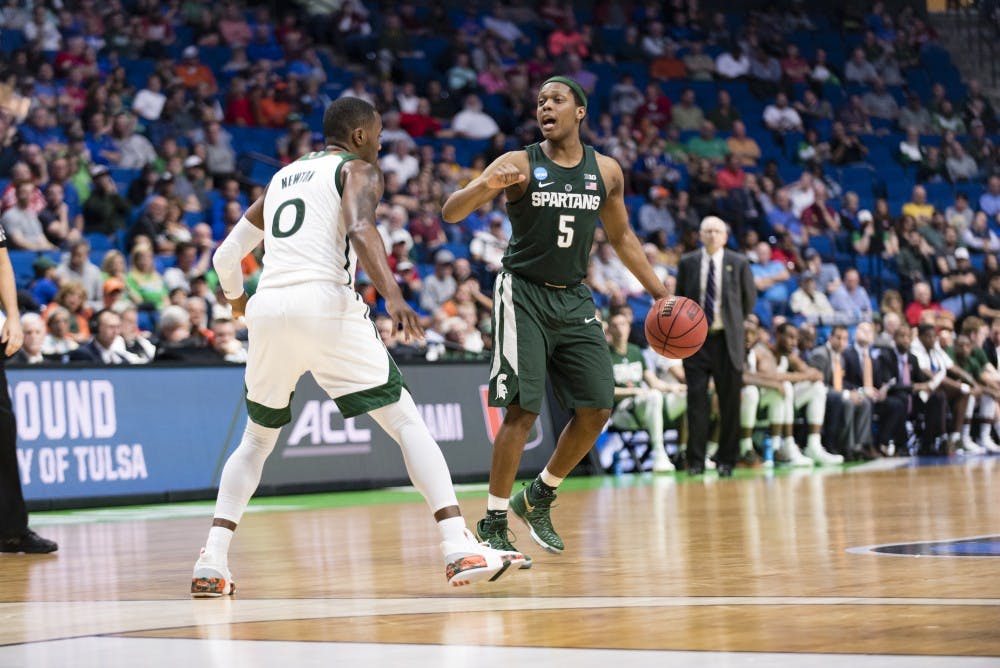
(676, 327)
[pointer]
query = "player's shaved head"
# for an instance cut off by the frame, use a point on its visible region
(344, 116)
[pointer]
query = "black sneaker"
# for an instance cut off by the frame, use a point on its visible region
(29, 542)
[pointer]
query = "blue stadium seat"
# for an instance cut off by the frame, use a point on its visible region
(640, 306)
(21, 262)
(940, 194)
(11, 40)
(460, 251)
(98, 242)
(823, 246)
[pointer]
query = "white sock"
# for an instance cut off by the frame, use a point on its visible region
(813, 440)
(218, 542)
(984, 432)
(424, 462)
(497, 503)
(549, 479)
(452, 529)
(966, 430)
(954, 436)
(746, 445)
(789, 442)
(241, 474)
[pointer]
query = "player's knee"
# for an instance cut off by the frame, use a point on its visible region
(594, 418)
(519, 418)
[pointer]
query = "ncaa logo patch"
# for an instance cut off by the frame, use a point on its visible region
(541, 173)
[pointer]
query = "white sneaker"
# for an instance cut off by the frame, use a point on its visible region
(822, 456)
(990, 446)
(211, 577)
(709, 464)
(970, 447)
(469, 561)
(662, 463)
(792, 455)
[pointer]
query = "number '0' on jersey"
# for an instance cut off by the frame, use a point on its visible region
(305, 238)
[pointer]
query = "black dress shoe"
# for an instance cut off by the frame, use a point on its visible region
(696, 469)
(29, 542)
(724, 470)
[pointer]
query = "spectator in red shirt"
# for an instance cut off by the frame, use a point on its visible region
(819, 216)
(239, 107)
(566, 39)
(21, 173)
(793, 66)
(421, 123)
(71, 57)
(731, 176)
(921, 304)
(656, 107)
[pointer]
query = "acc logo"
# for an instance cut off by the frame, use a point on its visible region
(493, 417)
(541, 173)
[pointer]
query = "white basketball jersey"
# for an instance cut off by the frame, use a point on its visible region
(305, 238)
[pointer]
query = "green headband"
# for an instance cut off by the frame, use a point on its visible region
(574, 86)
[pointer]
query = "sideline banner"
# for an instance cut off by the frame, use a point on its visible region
(319, 445)
(110, 432)
(136, 431)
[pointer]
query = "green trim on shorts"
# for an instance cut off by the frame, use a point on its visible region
(365, 401)
(269, 417)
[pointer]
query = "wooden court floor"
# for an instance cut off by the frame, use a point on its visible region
(757, 570)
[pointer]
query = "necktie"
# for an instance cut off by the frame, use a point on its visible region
(868, 373)
(838, 373)
(710, 293)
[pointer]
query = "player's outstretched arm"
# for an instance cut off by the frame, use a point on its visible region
(510, 170)
(363, 188)
(614, 216)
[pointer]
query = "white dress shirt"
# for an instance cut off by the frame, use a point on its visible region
(717, 259)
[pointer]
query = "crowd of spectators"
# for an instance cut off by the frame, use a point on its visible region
(123, 129)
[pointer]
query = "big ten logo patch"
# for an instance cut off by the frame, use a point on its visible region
(493, 418)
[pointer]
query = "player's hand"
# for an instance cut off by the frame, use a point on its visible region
(404, 320)
(503, 175)
(239, 306)
(12, 336)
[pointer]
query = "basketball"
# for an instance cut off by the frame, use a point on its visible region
(676, 327)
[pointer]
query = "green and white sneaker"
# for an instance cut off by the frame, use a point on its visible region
(496, 534)
(535, 513)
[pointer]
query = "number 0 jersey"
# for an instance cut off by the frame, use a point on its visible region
(554, 221)
(305, 238)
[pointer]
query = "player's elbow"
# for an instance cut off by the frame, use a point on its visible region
(225, 258)
(450, 214)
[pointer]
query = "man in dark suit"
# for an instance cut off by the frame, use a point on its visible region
(848, 412)
(859, 377)
(719, 280)
(899, 372)
(99, 349)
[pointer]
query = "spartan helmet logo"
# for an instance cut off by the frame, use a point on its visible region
(501, 387)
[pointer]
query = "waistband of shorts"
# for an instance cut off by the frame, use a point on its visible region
(546, 284)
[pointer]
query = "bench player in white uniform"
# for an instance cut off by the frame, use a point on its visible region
(762, 389)
(316, 220)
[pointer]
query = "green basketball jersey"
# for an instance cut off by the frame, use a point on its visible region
(627, 369)
(554, 221)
